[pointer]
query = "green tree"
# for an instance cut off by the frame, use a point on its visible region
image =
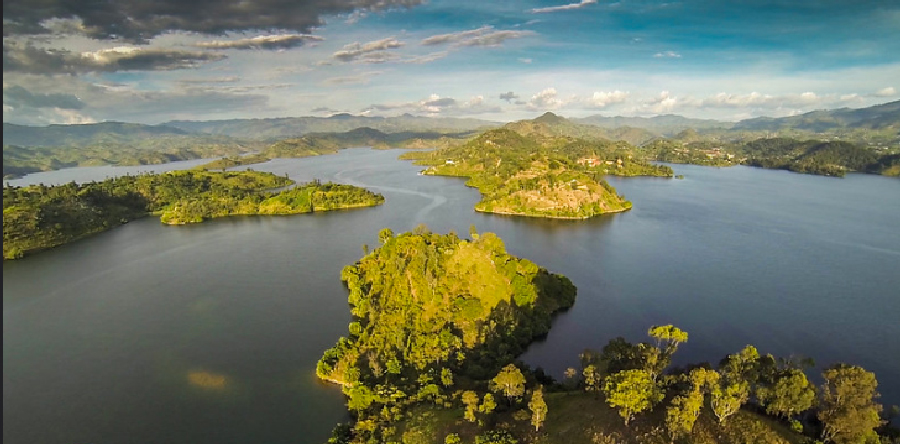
(632, 392)
(385, 235)
(592, 378)
(685, 408)
(510, 382)
(727, 397)
(470, 399)
(538, 408)
(792, 393)
(487, 404)
(847, 408)
(668, 338)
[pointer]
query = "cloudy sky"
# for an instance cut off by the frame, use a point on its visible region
(73, 61)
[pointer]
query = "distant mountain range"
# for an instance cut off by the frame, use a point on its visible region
(884, 118)
(281, 128)
(67, 134)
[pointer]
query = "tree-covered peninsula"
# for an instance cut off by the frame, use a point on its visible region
(552, 177)
(437, 324)
(434, 315)
(39, 217)
(820, 157)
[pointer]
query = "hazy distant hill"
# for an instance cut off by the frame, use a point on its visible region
(885, 116)
(552, 125)
(667, 125)
(67, 134)
(296, 126)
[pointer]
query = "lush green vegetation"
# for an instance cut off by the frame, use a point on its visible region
(233, 161)
(430, 359)
(539, 176)
(433, 315)
(39, 217)
(829, 158)
(119, 150)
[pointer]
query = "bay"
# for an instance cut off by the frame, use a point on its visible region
(210, 333)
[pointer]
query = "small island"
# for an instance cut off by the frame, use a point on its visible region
(536, 176)
(39, 217)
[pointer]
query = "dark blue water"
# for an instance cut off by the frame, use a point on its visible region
(210, 333)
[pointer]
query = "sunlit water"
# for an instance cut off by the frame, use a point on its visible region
(210, 333)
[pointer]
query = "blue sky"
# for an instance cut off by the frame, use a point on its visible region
(496, 60)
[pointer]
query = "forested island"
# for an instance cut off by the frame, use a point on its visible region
(553, 177)
(38, 217)
(438, 322)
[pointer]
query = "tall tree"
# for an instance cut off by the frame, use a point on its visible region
(538, 408)
(631, 392)
(470, 399)
(727, 397)
(685, 408)
(792, 393)
(667, 337)
(847, 408)
(510, 382)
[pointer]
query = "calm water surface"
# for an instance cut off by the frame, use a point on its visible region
(210, 333)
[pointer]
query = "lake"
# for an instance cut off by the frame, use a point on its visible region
(210, 333)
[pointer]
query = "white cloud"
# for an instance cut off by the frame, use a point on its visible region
(669, 54)
(601, 99)
(280, 41)
(356, 51)
(427, 58)
(580, 4)
(483, 36)
(455, 37)
(664, 103)
(885, 92)
(546, 99)
(495, 38)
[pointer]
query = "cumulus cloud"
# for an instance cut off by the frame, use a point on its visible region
(885, 92)
(509, 96)
(546, 99)
(279, 41)
(140, 20)
(580, 4)
(371, 52)
(601, 99)
(31, 59)
(483, 36)
(664, 103)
